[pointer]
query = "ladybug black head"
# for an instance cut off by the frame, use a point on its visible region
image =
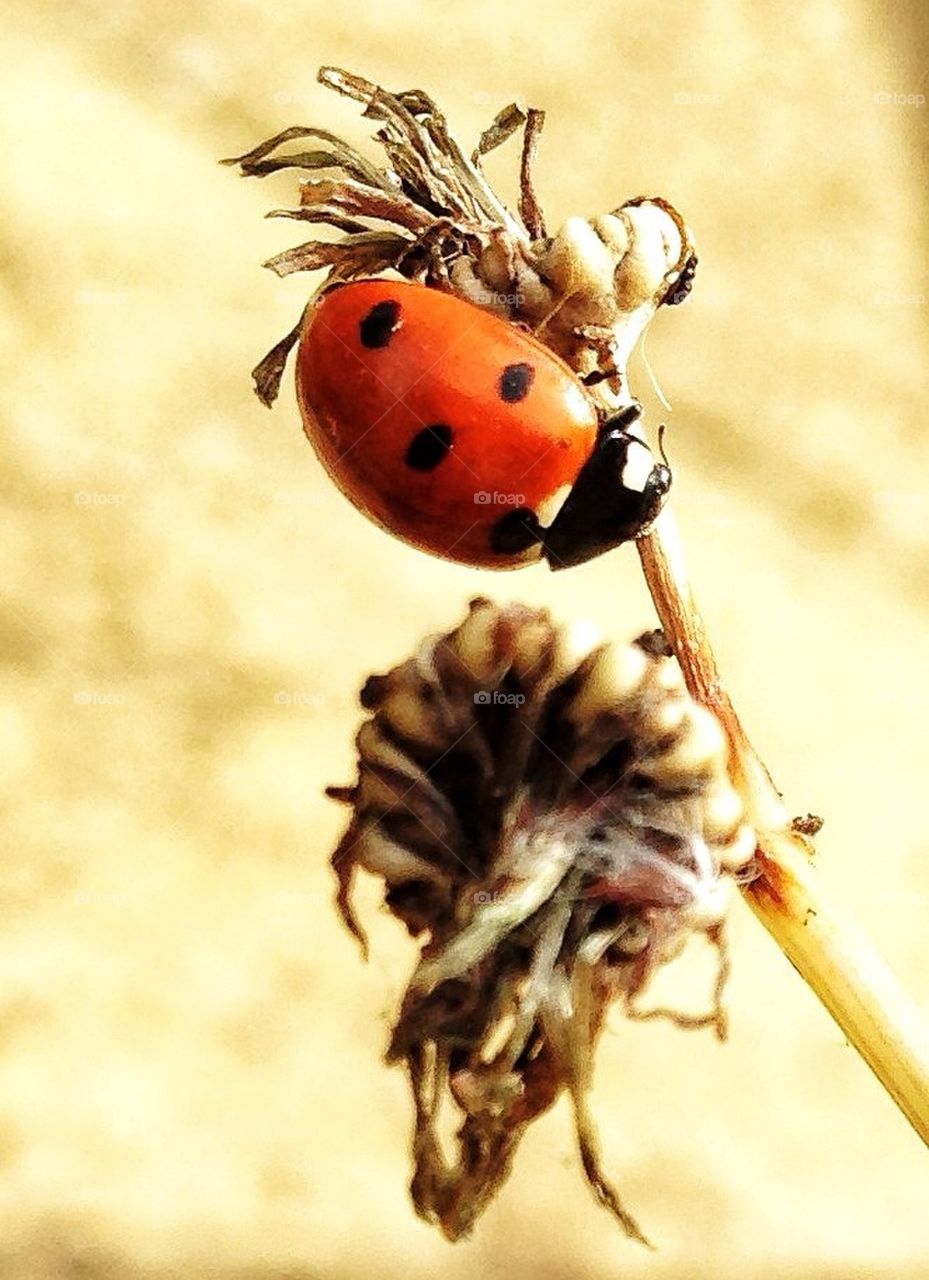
(616, 497)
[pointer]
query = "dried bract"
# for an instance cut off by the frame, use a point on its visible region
(429, 214)
(553, 821)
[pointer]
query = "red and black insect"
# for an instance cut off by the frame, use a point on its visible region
(464, 435)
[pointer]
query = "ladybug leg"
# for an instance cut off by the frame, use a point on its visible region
(617, 495)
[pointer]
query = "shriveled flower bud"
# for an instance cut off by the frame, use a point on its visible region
(587, 291)
(553, 820)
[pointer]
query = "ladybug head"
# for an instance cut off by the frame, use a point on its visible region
(616, 497)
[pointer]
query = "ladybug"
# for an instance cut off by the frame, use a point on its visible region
(464, 435)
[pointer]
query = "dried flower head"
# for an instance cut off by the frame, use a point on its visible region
(428, 213)
(552, 820)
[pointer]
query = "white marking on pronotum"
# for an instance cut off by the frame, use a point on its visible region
(637, 466)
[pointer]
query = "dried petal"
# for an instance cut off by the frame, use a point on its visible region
(503, 126)
(588, 291)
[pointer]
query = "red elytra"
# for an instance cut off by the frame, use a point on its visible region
(447, 426)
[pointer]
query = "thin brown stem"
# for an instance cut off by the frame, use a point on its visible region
(829, 952)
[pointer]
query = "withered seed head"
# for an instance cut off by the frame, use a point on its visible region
(553, 820)
(588, 290)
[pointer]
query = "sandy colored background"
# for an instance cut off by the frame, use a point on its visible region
(190, 1082)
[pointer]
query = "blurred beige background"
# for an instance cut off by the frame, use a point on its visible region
(190, 1075)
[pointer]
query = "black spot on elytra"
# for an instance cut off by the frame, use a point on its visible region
(428, 447)
(378, 326)
(516, 531)
(515, 381)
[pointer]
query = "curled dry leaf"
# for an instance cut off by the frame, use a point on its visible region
(428, 213)
(553, 820)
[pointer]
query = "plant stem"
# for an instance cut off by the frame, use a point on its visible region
(829, 952)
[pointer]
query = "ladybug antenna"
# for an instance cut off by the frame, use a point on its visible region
(664, 457)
